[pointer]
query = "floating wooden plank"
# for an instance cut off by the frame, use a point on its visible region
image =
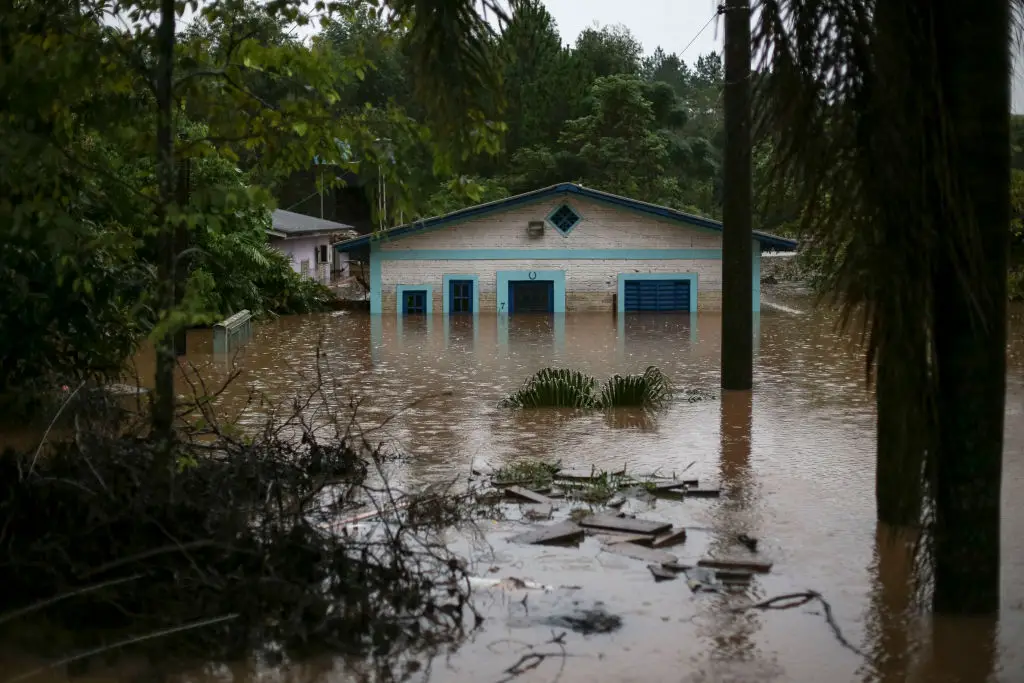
(610, 539)
(633, 526)
(669, 538)
(703, 493)
(733, 575)
(666, 485)
(660, 573)
(638, 552)
(563, 532)
(527, 495)
(749, 565)
(677, 566)
(579, 474)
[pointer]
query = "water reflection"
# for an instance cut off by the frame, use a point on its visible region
(795, 463)
(890, 617)
(733, 633)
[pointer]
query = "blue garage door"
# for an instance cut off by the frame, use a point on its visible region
(657, 295)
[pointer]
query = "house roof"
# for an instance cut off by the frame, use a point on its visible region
(768, 242)
(290, 224)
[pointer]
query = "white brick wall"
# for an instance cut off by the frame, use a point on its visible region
(602, 227)
(580, 275)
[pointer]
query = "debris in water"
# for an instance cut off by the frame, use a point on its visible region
(670, 538)
(638, 552)
(636, 526)
(527, 495)
(677, 566)
(749, 565)
(749, 541)
(587, 622)
(480, 468)
(538, 512)
(507, 583)
(660, 573)
(616, 502)
(703, 580)
(563, 532)
(703, 493)
(611, 538)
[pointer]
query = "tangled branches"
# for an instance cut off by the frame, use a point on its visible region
(793, 600)
(109, 539)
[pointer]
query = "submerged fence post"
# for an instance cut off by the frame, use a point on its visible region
(233, 332)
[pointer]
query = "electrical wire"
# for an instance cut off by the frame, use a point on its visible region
(700, 32)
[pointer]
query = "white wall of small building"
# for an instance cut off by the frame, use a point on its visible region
(590, 283)
(299, 249)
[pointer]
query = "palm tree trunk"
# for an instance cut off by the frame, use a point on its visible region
(970, 304)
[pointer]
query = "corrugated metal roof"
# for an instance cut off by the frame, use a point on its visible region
(291, 224)
(767, 241)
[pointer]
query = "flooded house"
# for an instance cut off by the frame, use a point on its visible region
(307, 242)
(564, 248)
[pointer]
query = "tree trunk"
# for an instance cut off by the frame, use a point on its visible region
(972, 48)
(902, 434)
(163, 394)
(737, 237)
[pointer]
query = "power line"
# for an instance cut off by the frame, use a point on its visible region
(701, 31)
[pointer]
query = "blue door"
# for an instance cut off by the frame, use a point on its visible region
(460, 296)
(657, 295)
(531, 296)
(414, 301)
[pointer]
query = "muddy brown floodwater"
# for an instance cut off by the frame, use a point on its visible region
(795, 463)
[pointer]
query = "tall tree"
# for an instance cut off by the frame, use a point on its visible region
(538, 80)
(894, 125)
(619, 142)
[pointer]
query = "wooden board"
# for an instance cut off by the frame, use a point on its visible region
(676, 566)
(580, 474)
(703, 493)
(625, 524)
(666, 485)
(737, 575)
(609, 539)
(748, 565)
(563, 532)
(669, 538)
(638, 552)
(660, 573)
(527, 495)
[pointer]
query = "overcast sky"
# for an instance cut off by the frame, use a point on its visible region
(671, 24)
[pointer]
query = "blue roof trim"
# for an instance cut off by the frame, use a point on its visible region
(767, 241)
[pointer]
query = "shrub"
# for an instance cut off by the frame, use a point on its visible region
(649, 390)
(555, 388)
(563, 388)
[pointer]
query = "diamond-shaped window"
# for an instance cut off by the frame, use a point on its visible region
(564, 219)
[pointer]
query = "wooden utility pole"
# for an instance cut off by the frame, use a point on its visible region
(737, 237)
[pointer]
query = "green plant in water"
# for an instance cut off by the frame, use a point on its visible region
(649, 390)
(533, 474)
(564, 388)
(555, 388)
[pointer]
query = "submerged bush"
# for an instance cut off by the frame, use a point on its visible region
(563, 388)
(649, 390)
(223, 547)
(555, 388)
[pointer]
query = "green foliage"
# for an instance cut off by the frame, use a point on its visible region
(533, 474)
(648, 390)
(565, 388)
(555, 388)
